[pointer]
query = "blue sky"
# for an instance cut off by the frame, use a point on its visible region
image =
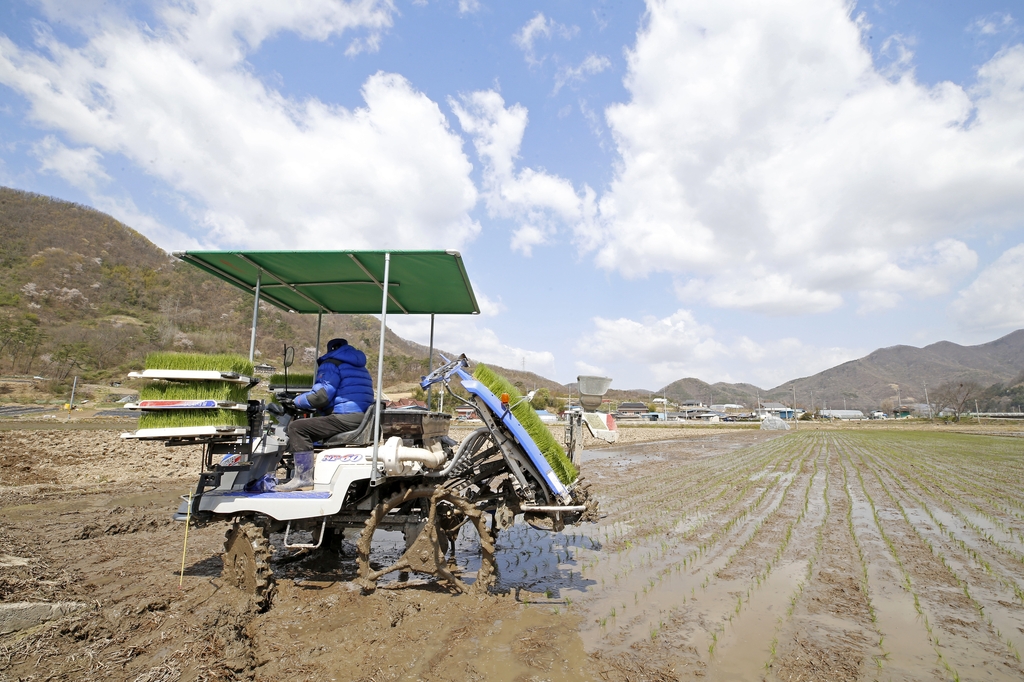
(733, 190)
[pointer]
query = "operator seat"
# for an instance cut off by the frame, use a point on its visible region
(359, 436)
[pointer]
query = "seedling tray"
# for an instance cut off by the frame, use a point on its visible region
(191, 375)
(186, 405)
(186, 432)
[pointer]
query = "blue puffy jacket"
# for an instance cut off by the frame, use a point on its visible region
(342, 385)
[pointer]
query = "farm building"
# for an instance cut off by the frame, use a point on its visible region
(842, 414)
(464, 412)
(631, 409)
(776, 410)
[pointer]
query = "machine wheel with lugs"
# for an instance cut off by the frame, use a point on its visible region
(247, 553)
(442, 513)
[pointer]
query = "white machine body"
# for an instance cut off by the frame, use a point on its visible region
(335, 471)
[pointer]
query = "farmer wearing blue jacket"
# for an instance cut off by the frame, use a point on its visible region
(340, 395)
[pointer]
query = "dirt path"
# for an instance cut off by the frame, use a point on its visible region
(722, 554)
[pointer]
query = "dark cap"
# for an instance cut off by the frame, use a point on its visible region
(335, 344)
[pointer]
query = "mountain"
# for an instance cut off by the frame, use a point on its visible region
(897, 373)
(83, 294)
(902, 373)
(719, 393)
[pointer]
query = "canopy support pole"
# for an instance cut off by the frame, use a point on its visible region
(319, 322)
(430, 360)
(255, 313)
(380, 369)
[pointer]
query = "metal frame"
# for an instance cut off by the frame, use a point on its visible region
(264, 290)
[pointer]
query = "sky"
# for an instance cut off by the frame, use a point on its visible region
(733, 190)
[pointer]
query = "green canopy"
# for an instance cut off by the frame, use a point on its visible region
(423, 282)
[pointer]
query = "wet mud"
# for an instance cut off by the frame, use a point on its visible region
(721, 555)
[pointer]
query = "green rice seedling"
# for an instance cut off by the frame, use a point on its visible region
(199, 361)
(194, 390)
(169, 419)
(525, 414)
(294, 380)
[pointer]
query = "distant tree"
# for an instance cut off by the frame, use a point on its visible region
(953, 395)
(541, 399)
(69, 356)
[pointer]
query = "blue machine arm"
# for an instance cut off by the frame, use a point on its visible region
(494, 404)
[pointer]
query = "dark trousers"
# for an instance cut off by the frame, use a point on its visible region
(302, 433)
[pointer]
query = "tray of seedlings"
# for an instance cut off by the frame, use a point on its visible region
(193, 396)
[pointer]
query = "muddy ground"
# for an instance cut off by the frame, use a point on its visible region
(723, 554)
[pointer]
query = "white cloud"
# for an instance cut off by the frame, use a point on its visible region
(679, 346)
(668, 346)
(587, 369)
(992, 24)
(81, 167)
(538, 201)
(771, 364)
(468, 334)
(256, 168)
(761, 142)
(766, 292)
(469, 6)
(532, 30)
(571, 75)
(536, 28)
(167, 238)
(219, 31)
(995, 300)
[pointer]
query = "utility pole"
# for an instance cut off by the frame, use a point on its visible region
(931, 412)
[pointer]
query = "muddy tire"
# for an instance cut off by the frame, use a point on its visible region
(426, 553)
(247, 553)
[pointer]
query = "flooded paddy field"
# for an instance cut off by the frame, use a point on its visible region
(722, 554)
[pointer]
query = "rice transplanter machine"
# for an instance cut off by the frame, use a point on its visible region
(399, 470)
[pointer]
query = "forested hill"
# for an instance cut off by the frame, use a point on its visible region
(901, 373)
(887, 376)
(81, 293)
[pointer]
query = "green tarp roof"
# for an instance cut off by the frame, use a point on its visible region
(346, 281)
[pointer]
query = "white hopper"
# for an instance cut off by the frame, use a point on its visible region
(592, 390)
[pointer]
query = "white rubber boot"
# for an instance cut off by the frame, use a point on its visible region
(303, 479)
